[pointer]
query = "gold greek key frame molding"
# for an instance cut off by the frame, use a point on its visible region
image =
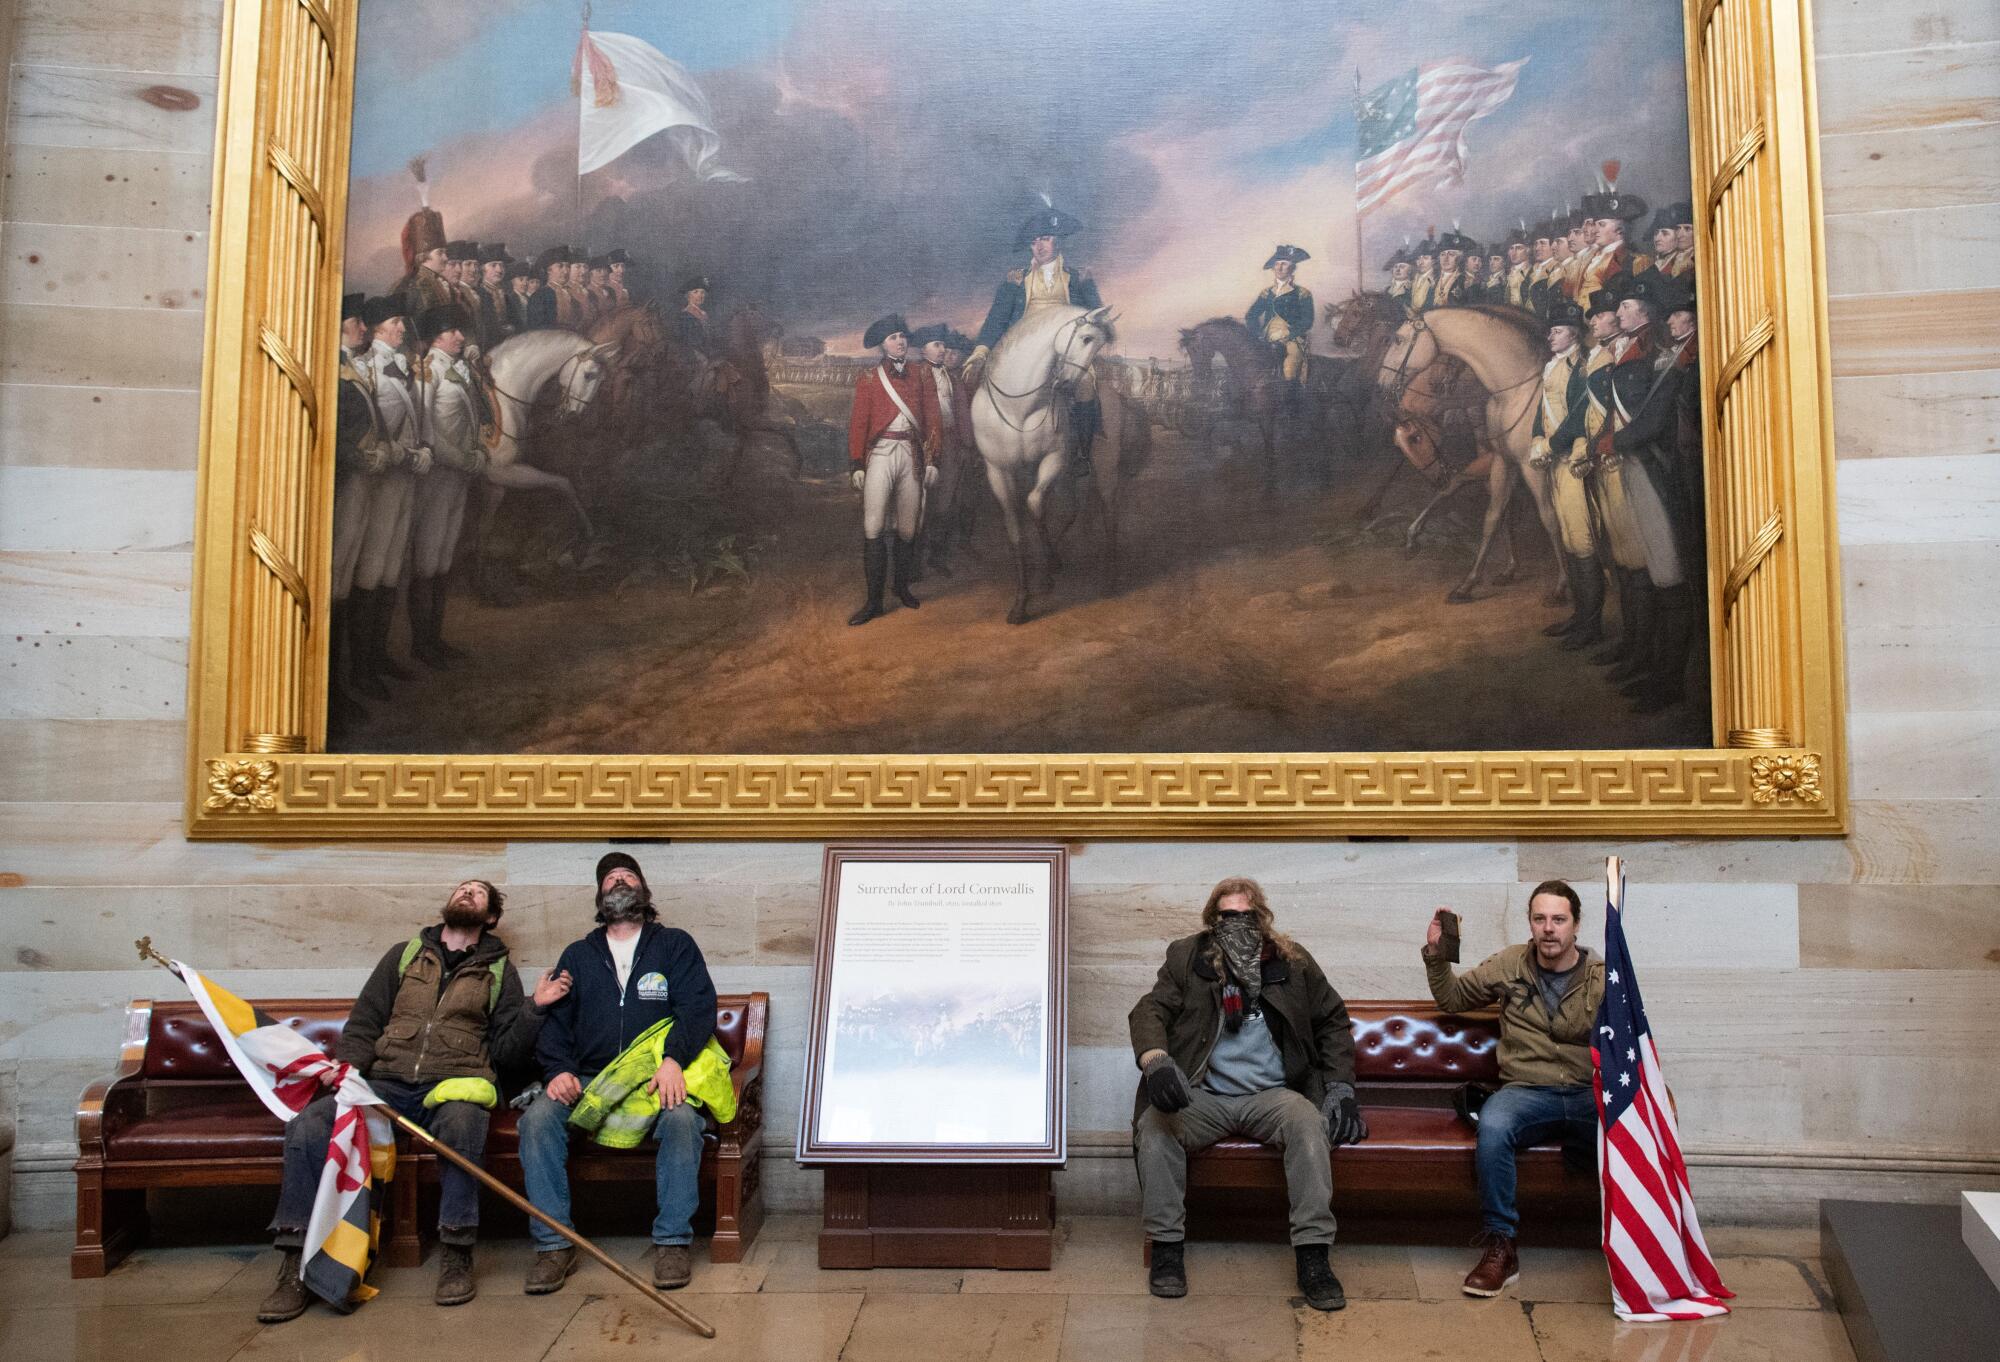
(255, 770)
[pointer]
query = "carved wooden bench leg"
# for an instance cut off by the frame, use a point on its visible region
(403, 1239)
(726, 1245)
(109, 1224)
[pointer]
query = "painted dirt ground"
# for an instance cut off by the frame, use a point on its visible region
(1242, 624)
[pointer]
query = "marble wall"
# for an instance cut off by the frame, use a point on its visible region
(1823, 1007)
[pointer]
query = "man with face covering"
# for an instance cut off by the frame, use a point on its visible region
(1242, 1035)
(437, 1024)
(629, 973)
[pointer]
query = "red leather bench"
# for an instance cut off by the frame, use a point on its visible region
(1413, 1178)
(176, 1114)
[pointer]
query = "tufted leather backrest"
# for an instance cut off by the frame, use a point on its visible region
(181, 1046)
(1404, 1042)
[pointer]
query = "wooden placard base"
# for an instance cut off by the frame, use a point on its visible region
(937, 1215)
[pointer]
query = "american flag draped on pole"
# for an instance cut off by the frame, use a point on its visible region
(1660, 1266)
(287, 1072)
(1411, 130)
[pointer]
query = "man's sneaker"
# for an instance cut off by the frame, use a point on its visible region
(1497, 1269)
(673, 1267)
(455, 1284)
(1168, 1276)
(288, 1298)
(1316, 1279)
(551, 1268)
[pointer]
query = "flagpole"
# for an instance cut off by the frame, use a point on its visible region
(1360, 269)
(513, 1198)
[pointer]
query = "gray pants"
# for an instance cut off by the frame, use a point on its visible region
(1279, 1117)
(385, 538)
(436, 520)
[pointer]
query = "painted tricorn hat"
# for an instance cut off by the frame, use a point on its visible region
(1295, 254)
(446, 317)
(883, 328)
(1047, 222)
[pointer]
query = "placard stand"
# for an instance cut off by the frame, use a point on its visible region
(937, 1215)
(936, 1049)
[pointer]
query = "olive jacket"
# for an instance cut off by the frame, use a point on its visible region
(1183, 1016)
(1535, 1047)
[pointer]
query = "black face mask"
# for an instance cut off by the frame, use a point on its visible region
(621, 903)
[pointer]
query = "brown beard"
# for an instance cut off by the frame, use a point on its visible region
(464, 915)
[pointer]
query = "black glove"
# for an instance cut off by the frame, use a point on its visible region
(1166, 1089)
(1343, 1115)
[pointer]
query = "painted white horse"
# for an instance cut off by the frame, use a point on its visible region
(1506, 355)
(1019, 422)
(517, 370)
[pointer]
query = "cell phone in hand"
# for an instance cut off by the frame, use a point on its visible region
(1448, 935)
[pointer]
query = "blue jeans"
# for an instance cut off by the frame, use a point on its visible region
(461, 1125)
(1523, 1114)
(545, 1135)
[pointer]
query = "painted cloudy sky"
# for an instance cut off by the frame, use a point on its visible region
(893, 148)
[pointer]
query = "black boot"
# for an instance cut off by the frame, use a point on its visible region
(440, 592)
(385, 625)
(423, 591)
(1667, 683)
(1316, 1280)
(1587, 586)
(368, 612)
(902, 563)
(1645, 629)
(343, 672)
(875, 568)
(1168, 1276)
(1586, 582)
(1621, 647)
(1082, 434)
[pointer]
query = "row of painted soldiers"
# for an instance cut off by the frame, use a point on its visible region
(1618, 432)
(504, 296)
(407, 452)
(1567, 259)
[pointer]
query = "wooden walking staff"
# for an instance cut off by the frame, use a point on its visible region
(512, 1197)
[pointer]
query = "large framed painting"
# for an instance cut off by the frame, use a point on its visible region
(818, 418)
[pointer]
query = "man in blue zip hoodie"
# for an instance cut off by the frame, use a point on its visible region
(628, 974)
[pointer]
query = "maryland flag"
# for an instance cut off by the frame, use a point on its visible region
(287, 1072)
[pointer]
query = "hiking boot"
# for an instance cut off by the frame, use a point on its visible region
(1316, 1279)
(673, 1267)
(1168, 1276)
(455, 1284)
(288, 1298)
(551, 1268)
(1498, 1268)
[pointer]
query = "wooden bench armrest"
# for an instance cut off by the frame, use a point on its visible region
(101, 1108)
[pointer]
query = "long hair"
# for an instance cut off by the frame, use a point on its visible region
(1260, 909)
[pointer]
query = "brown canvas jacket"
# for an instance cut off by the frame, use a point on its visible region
(408, 1028)
(1183, 1016)
(1534, 1047)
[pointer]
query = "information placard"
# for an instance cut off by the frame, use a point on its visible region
(938, 1022)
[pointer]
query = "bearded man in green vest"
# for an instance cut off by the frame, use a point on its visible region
(439, 1021)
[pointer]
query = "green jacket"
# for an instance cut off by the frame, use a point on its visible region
(412, 1024)
(1183, 1016)
(1534, 1047)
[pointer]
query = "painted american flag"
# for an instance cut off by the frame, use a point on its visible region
(1660, 1266)
(1411, 130)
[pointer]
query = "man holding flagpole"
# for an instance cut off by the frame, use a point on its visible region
(438, 1022)
(1548, 991)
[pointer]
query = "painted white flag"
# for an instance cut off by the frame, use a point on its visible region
(629, 90)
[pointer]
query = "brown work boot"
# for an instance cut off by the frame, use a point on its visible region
(455, 1284)
(1498, 1268)
(288, 1298)
(673, 1267)
(551, 1268)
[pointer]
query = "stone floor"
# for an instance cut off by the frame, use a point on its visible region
(198, 1305)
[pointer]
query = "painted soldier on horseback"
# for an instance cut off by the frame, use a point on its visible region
(1046, 278)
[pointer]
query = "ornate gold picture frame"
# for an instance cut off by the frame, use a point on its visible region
(258, 656)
